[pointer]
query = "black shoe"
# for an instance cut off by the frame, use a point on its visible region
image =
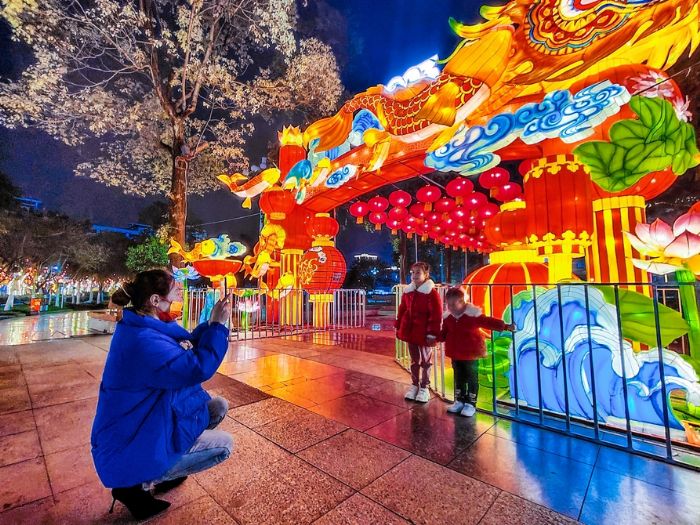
(165, 486)
(140, 502)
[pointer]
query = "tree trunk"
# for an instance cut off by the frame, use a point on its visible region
(448, 264)
(178, 189)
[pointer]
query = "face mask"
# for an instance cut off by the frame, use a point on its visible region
(166, 317)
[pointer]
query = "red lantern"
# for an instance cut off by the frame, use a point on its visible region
(487, 210)
(433, 218)
(459, 188)
(475, 200)
(508, 192)
(444, 205)
(322, 269)
(494, 177)
(378, 204)
(276, 203)
(358, 210)
(459, 213)
(495, 299)
(322, 228)
(394, 225)
(417, 210)
(508, 227)
(400, 198)
(377, 218)
(398, 214)
(428, 195)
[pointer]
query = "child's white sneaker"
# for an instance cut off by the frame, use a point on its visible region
(411, 393)
(456, 407)
(423, 395)
(468, 410)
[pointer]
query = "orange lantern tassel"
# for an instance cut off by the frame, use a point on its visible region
(360, 220)
(377, 227)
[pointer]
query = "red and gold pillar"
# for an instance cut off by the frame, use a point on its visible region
(610, 255)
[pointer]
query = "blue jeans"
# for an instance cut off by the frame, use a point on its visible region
(211, 448)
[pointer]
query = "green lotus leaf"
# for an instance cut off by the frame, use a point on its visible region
(637, 317)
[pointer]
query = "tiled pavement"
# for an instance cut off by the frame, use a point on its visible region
(323, 436)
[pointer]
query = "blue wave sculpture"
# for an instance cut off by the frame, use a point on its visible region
(613, 365)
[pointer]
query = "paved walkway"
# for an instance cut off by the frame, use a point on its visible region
(44, 327)
(324, 436)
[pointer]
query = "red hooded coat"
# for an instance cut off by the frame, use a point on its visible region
(462, 335)
(419, 314)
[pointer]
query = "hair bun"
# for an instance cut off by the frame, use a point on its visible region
(122, 296)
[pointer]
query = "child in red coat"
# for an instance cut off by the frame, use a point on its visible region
(418, 324)
(464, 345)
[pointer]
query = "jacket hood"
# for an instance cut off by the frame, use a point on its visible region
(470, 311)
(172, 329)
(425, 288)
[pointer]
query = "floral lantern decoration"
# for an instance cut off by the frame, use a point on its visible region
(428, 195)
(358, 210)
(322, 268)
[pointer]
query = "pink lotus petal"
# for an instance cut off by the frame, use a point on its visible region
(685, 246)
(638, 244)
(642, 231)
(656, 268)
(689, 222)
(661, 233)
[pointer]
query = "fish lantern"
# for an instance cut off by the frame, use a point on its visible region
(428, 195)
(400, 199)
(487, 210)
(378, 204)
(322, 269)
(475, 201)
(322, 228)
(494, 178)
(377, 218)
(417, 210)
(358, 210)
(508, 192)
(276, 203)
(444, 205)
(459, 188)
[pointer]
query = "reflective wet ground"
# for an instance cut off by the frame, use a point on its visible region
(323, 435)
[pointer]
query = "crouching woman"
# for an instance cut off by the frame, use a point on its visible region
(154, 422)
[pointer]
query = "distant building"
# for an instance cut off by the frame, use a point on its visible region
(366, 257)
(29, 204)
(132, 231)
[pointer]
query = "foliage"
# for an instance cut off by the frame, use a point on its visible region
(56, 242)
(153, 81)
(151, 253)
(636, 313)
(8, 193)
(655, 141)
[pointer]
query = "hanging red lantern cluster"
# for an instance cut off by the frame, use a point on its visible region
(322, 268)
(455, 220)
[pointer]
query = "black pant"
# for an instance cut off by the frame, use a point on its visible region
(466, 381)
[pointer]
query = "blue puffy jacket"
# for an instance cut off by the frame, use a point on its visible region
(152, 407)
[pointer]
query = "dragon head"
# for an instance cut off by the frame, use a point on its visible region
(563, 40)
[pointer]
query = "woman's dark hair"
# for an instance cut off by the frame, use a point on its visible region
(422, 265)
(455, 293)
(145, 284)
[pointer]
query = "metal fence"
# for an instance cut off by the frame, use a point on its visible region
(258, 313)
(591, 360)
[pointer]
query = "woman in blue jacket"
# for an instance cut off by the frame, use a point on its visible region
(154, 422)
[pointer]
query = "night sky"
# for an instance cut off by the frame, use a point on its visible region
(385, 38)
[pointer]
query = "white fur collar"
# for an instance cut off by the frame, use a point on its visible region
(425, 288)
(470, 311)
